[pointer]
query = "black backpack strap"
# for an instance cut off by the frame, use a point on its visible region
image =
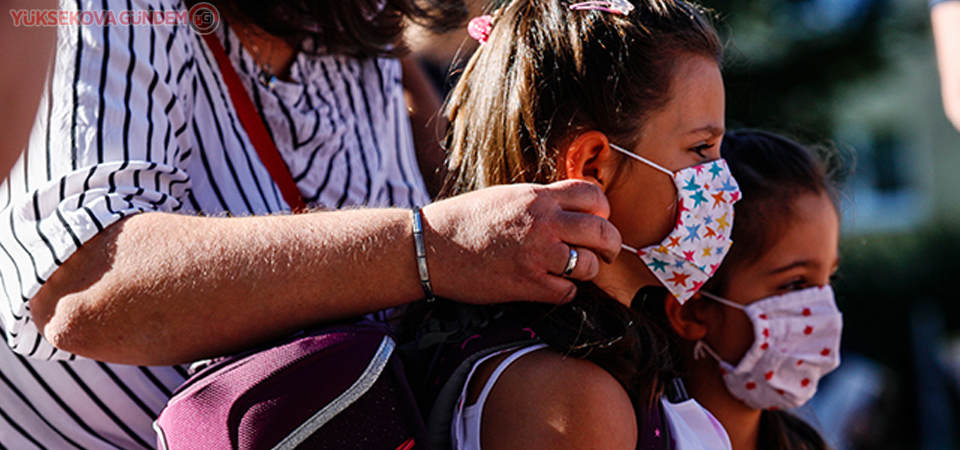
(441, 413)
(450, 349)
(676, 392)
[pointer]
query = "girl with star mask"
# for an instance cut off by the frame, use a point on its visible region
(627, 96)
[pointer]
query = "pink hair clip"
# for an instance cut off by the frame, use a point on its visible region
(622, 7)
(479, 28)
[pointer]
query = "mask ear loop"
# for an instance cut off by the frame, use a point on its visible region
(722, 300)
(642, 159)
(649, 163)
(702, 350)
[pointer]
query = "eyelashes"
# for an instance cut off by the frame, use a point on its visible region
(801, 283)
(701, 150)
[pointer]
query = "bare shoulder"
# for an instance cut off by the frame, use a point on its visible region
(547, 401)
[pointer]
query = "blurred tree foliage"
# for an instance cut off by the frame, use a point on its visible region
(787, 60)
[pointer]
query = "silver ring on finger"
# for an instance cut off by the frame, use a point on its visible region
(571, 262)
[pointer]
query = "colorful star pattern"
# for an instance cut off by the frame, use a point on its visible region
(710, 233)
(722, 222)
(679, 279)
(657, 264)
(693, 233)
(698, 198)
(718, 199)
(716, 170)
(674, 241)
(701, 238)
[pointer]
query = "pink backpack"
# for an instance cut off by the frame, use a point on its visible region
(340, 387)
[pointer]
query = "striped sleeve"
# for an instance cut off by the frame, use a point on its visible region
(110, 140)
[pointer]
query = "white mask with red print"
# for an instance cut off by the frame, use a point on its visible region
(797, 341)
(700, 239)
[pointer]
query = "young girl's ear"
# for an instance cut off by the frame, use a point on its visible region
(688, 320)
(588, 158)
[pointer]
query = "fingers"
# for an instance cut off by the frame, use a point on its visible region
(596, 235)
(562, 291)
(516, 241)
(581, 196)
(582, 219)
(585, 266)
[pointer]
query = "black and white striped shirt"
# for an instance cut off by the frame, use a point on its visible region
(137, 118)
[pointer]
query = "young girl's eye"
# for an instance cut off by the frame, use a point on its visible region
(701, 150)
(793, 285)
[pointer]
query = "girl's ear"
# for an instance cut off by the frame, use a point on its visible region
(688, 320)
(589, 158)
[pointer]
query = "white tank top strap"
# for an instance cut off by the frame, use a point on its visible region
(503, 367)
(465, 426)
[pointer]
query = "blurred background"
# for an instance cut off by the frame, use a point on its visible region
(858, 77)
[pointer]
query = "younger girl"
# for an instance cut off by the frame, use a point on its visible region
(759, 335)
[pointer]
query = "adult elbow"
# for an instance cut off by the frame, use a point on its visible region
(70, 325)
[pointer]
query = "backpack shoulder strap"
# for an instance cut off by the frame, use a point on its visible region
(465, 343)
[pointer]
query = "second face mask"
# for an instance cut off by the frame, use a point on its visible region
(796, 342)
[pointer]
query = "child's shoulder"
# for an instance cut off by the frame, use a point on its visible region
(548, 400)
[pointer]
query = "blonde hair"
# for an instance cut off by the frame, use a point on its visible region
(547, 70)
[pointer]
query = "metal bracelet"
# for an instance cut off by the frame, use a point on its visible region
(421, 250)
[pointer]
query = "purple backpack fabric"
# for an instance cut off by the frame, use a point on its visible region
(339, 387)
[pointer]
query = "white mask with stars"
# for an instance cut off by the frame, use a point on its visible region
(700, 239)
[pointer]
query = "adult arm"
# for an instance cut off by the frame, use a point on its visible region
(945, 18)
(100, 257)
(160, 288)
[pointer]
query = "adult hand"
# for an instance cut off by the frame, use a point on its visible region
(512, 243)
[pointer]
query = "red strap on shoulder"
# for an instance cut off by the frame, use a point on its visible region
(256, 130)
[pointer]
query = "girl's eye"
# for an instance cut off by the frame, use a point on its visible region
(701, 150)
(793, 285)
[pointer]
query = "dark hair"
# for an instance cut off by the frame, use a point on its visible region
(355, 27)
(598, 328)
(781, 430)
(547, 71)
(772, 172)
